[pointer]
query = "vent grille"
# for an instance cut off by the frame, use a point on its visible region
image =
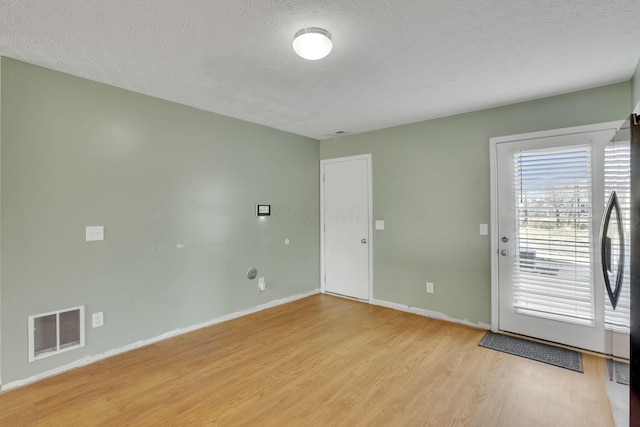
(337, 133)
(55, 332)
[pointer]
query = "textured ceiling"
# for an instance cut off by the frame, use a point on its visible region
(393, 62)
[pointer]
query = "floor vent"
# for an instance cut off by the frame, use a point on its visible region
(55, 332)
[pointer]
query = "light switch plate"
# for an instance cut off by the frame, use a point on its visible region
(379, 224)
(97, 319)
(484, 229)
(94, 232)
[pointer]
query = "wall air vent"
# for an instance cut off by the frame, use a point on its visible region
(55, 332)
(336, 133)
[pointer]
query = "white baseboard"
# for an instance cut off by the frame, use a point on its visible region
(87, 360)
(428, 313)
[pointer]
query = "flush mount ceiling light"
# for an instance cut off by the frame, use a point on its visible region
(312, 43)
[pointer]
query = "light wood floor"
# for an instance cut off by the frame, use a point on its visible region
(320, 361)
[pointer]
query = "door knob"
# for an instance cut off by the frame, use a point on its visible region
(363, 241)
(504, 252)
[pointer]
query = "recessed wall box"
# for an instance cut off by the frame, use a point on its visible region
(263, 210)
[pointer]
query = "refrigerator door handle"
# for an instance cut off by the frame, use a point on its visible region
(605, 250)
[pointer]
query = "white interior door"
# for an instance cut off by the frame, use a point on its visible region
(550, 200)
(346, 218)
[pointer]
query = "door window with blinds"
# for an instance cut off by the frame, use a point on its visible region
(553, 207)
(617, 177)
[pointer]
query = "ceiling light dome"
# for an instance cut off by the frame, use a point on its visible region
(312, 43)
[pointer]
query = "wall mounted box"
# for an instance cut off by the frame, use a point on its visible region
(263, 210)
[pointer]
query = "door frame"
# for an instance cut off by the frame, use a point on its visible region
(368, 158)
(493, 161)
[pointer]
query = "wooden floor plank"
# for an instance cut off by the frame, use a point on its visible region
(319, 361)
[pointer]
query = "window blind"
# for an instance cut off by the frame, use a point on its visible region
(617, 176)
(553, 212)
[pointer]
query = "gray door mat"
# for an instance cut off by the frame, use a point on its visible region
(621, 369)
(561, 357)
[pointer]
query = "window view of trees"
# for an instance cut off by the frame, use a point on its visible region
(553, 207)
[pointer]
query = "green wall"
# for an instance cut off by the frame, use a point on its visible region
(635, 87)
(158, 176)
(431, 187)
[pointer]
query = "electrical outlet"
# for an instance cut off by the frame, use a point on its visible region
(429, 287)
(261, 284)
(97, 319)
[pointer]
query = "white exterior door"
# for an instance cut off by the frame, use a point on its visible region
(346, 218)
(549, 202)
